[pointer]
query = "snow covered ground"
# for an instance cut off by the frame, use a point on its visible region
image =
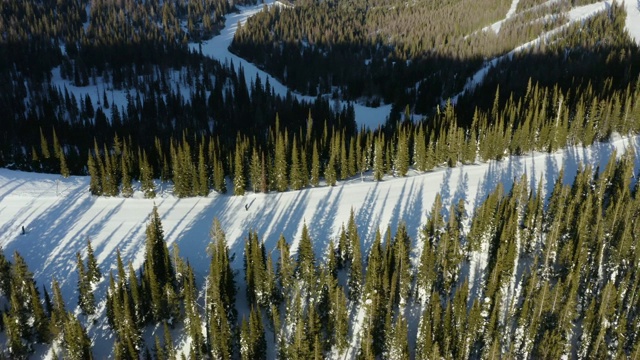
(59, 215)
(218, 48)
(580, 13)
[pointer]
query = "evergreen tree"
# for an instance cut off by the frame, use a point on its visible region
(95, 185)
(76, 342)
(401, 165)
(305, 268)
(355, 264)
(93, 270)
(220, 295)
(86, 299)
(238, 173)
(146, 177)
(378, 158)
(158, 271)
(255, 171)
(315, 166)
(280, 163)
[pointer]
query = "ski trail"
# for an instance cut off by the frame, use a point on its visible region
(218, 48)
(632, 24)
(512, 11)
(574, 15)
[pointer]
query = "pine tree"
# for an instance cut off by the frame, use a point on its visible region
(44, 146)
(58, 312)
(86, 299)
(284, 267)
(127, 187)
(95, 185)
(340, 320)
(280, 163)
(255, 171)
(315, 166)
(238, 173)
(76, 342)
(158, 271)
(146, 177)
(220, 295)
(306, 259)
(378, 158)
(398, 347)
(295, 176)
(330, 170)
(355, 264)
(402, 153)
(203, 178)
(93, 271)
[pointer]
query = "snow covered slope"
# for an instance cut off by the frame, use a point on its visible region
(580, 13)
(59, 215)
(218, 48)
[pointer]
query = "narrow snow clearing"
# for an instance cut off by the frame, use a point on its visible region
(218, 48)
(574, 15)
(512, 11)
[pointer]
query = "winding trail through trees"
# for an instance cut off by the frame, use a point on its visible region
(218, 48)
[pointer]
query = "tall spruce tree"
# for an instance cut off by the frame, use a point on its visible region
(158, 270)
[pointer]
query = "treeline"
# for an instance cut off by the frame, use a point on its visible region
(551, 279)
(545, 119)
(416, 54)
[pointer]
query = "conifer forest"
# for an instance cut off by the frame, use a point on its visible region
(126, 103)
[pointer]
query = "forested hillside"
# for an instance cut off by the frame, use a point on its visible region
(541, 269)
(119, 99)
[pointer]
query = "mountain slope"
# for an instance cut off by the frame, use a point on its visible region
(59, 215)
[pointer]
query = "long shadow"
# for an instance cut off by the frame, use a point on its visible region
(413, 211)
(263, 219)
(48, 231)
(487, 184)
(550, 175)
(16, 184)
(445, 189)
(290, 221)
(396, 215)
(195, 238)
(365, 212)
(322, 222)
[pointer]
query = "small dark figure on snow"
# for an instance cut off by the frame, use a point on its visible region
(23, 231)
(246, 207)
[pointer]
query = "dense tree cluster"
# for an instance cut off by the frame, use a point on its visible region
(391, 51)
(552, 278)
(27, 319)
(544, 119)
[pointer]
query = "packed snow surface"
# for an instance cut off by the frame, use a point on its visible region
(59, 215)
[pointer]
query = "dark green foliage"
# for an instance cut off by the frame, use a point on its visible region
(253, 344)
(220, 296)
(86, 299)
(158, 270)
(306, 262)
(76, 343)
(93, 271)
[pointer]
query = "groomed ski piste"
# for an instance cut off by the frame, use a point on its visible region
(59, 214)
